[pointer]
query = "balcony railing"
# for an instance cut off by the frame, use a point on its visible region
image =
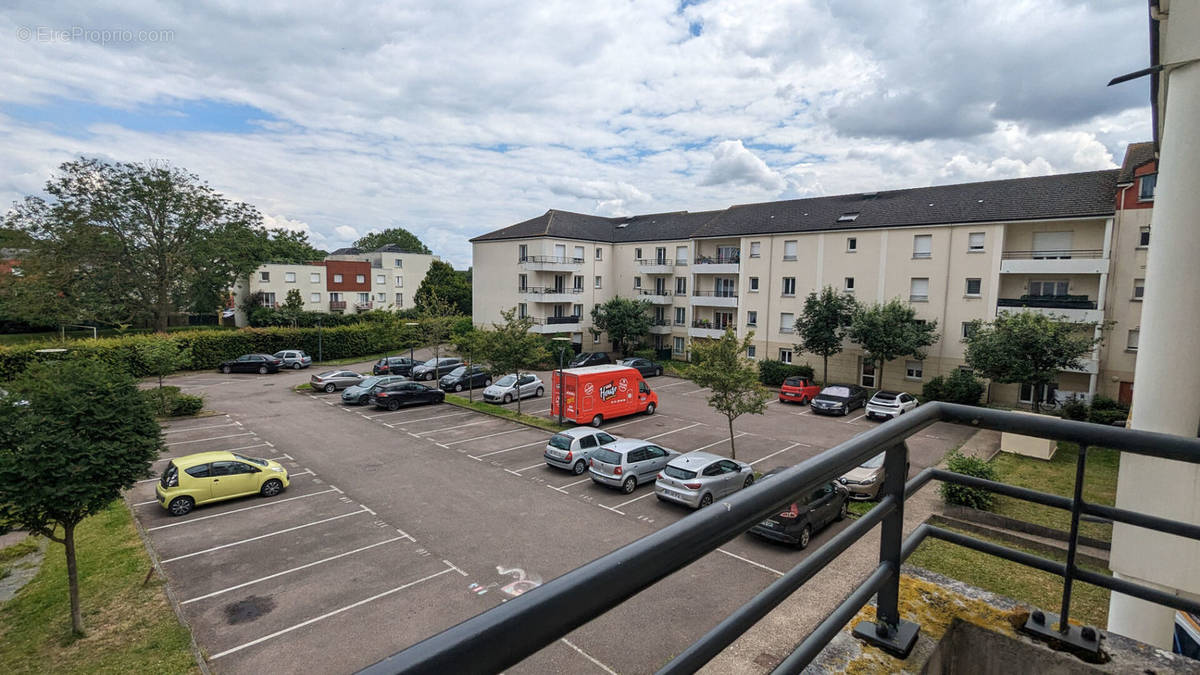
(712, 325)
(363, 305)
(526, 624)
(337, 304)
(557, 259)
(660, 322)
(715, 294)
(551, 290)
(659, 261)
(1053, 254)
(553, 320)
(652, 291)
(727, 259)
(1048, 301)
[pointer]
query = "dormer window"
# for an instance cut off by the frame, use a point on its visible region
(1146, 187)
(848, 217)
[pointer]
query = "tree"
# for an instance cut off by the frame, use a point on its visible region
(1028, 348)
(822, 324)
(437, 316)
(443, 282)
(161, 358)
(63, 463)
(626, 321)
(122, 243)
(396, 236)
(510, 348)
(721, 366)
(890, 330)
(289, 246)
(293, 306)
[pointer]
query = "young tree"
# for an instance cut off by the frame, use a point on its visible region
(443, 282)
(510, 348)
(293, 306)
(1028, 348)
(721, 366)
(626, 321)
(890, 330)
(396, 236)
(822, 324)
(436, 318)
(161, 358)
(62, 463)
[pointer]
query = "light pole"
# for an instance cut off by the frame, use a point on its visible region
(561, 389)
(320, 344)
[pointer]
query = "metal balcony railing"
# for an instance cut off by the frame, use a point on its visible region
(1053, 254)
(728, 259)
(657, 261)
(652, 291)
(551, 259)
(525, 624)
(715, 294)
(337, 304)
(551, 290)
(660, 322)
(1048, 302)
(712, 325)
(552, 320)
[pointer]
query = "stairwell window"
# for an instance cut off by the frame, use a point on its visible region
(913, 370)
(753, 284)
(1139, 289)
(599, 255)
(1146, 185)
(851, 244)
(752, 318)
(637, 283)
(1131, 341)
(789, 286)
(578, 283)
(596, 283)
(974, 287)
(787, 323)
(755, 249)
(922, 246)
(637, 254)
(919, 289)
(264, 276)
(975, 241)
(789, 250)
(1144, 236)
(399, 262)
(848, 285)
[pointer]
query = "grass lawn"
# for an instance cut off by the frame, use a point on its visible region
(130, 627)
(506, 413)
(1057, 476)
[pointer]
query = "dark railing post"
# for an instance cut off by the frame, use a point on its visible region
(889, 632)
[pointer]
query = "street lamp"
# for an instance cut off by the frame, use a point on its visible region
(561, 389)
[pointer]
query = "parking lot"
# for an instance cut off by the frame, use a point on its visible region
(400, 524)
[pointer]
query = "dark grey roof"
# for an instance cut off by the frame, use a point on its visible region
(349, 250)
(1136, 155)
(395, 248)
(1072, 195)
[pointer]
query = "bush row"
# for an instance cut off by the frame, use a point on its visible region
(1103, 410)
(169, 402)
(958, 387)
(773, 373)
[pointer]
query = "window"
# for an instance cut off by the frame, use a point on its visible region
(681, 255)
(599, 253)
(579, 253)
(913, 370)
(1144, 236)
(399, 299)
(1048, 288)
(637, 254)
(399, 262)
(289, 277)
(522, 282)
(680, 285)
(264, 276)
(973, 287)
(750, 351)
(337, 278)
(1146, 186)
(789, 286)
(753, 283)
(1046, 394)
(849, 285)
(785, 355)
(789, 250)
(522, 310)
(848, 217)
(678, 345)
(637, 282)
(399, 282)
(314, 278)
(335, 297)
(596, 283)
(660, 255)
(314, 297)
(755, 249)
(851, 244)
(522, 252)
(381, 279)
(751, 318)
(680, 316)
(381, 297)
(922, 245)
(968, 329)
(577, 310)
(919, 290)
(360, 278)
(1131, 342)
(578, 283)
(975, 242)
(1139, 289)
(787, 323)
(364, 298)
(268, 299)
(595, 338)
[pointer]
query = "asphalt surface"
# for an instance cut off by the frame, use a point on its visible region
(400, 524)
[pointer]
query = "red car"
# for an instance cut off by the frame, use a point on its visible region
(798, 389)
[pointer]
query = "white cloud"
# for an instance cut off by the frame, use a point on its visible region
(734, 164)
(347, 233)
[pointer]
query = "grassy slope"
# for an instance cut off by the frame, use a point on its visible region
(1057, 476)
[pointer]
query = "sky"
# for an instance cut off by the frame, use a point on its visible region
(453, 119)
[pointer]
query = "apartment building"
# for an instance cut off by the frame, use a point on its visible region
(346, 281)
(1069, 245)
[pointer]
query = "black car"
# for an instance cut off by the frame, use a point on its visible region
(252, 363)
(646, 367)
(839, 399)
(393, 365)
(434, 369)
(804, 517)
(589, 359)
(392, 396)
(465, 377)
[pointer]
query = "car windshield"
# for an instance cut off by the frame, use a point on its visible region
(873, 463)
(507, 381)
(369, 382)
(458, 372)
(431, 363)
(836, 392)
(888, 396)
(279, 355)
(794, 382)
(329, 373)
(561, 442)
(607, 456)
(681, 474)
(627, 362)
(252, 460)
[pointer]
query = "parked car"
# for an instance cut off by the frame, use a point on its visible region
(646, 367)
(204, 477)
(798, 389)
(589, 359)
(804, 517)
(393, 365)
(570, 449)
(863, 482)
(332, 380)
(888, 404)
(697, 478)
(506, 389)
(839, 399)
(628, 463)
(294, 359)
(358, 394)
(392, 396)
(465, 377)
(435, 368)
(252, 363)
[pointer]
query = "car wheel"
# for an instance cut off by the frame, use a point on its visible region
(262, 370)
(226, 369)
(629, 485)
(649, 408)
(843, 510)
(393, 405)
(705, 500)
(508, 398)
(487, 382)
(181, 506)
(363, 400)
(458, 387)
(296, 366)
(539, 392)
(272, 487)
(805, 537)
(579, 467)
(803, 401)
(658, 372)
(330, 388)
(597, 420)
(748, 482)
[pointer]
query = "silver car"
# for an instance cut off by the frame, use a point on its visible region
(434, 369)
(571, 449)
(293, 358)
(697, 478)
(332, 380)
(505, 389)
(628, 463)
(359, 393)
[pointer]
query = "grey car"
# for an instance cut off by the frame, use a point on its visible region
(697, 478)
(571, 449)
(506, 389)
(434, 369)
(359, 393)
(628, 463)
(805, 516)
(293, 358)
(332, 380)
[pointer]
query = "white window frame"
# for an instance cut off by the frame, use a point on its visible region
(913, 295)
(264, 276)
(753, 284)
(785, 355)
(381, 279)
(314, 297)
(752, 318)
(1139, 290)
(972, 247)
(914, 370)
(1131, 339)
(967, 288)
(848, 285)
(851, 244)
(289, 277)
(787, 322)
(580, 253)
(399, 299)
(786, 281)
(399, 282)
(793, 245)
(1042, 283)
(637, 283)
(599, 254)
(399, 263)
(1142, 197)
(681, 255)
(381, 297)
(678, 345)
(922, 246)
(597, 283)
(360, 278)
(681, 286)
(750, 352)
(363, 298)
(314, 277)
(1143, 236)
(755, 249)
(337, 278)
(522, 310)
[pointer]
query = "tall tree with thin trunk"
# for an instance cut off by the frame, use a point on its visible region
(822, 324)
(890, 330)
(510, 348)
(721, 365)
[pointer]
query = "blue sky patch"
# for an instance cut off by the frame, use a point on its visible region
(72, 118)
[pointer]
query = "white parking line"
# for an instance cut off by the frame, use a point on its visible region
(610, 508)
(151, 501)
(703, 447)
(778, 452)
(563, 487)
(435, 417)
(226, 513)
(329, 614)
(518, 471)
(497, 452)
(263, 536)
(673, 384)
(308, 472)
(460, 426)
(289, 571)
(803, 412)
(650, 438)
(211, 426)
(772, 570)
(589, 657)
(498, 433)
(855, 419)
(694, 391)
(648, 494)
(214, 438)
(247, 447)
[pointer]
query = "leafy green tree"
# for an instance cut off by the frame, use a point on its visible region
(720, 365)
(396, 236)
(437, 318)
(443, 282)
(62, 463)
(822, 324)
(626, 321)
(293, 306)
(890, 330)
(1028, 348)
(289, 246)
(122, 243)
(161, 358)
(510, 348)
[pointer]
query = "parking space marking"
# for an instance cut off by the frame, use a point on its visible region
(435, 417)
(610, 508)
(289, 571)
(460, 426)
(214, 438)
(306, 471)
(517, 472)
(247, 447)
(263, 536)
(563, 488)
(150, 501)
(774, 400)
(704, 447)
(454, 567)
(772, 570)
(650, 438)
(589, 657)
(326, 615)
(694, 391)
(803, 412)
(673, 384)
(211, 426)
(855, 419)
(497, 452)
(498, 433)
(633, 500)
(778, 452)
(226, 513)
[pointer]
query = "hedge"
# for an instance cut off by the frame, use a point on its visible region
(959, 387)
(773, 373)
(169, 402)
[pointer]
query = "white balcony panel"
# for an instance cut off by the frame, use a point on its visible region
(552, 296)
(714, 333)
(550, 264)
(716, 268)
(714, 301)
(1054, 266)
(1087, 366)
(1080, 315)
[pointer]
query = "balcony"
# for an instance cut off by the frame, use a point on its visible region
(714, 299)
(555, 324)
(653, 296)
(1064, 261)
(660, 326)
(551, 263)
(337, 305)
(657, 265)
(363, 306)
(703, 328)
(550, 294)
(1086, 366)
(720, 264)
(1071, 307)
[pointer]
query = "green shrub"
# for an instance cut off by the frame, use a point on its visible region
(169, 402)
(187, 404)
(1106, 417)
(1105, 403)
(773, 373)
(1074, 409)
(962, 495)
(958, 387)
(646, 354)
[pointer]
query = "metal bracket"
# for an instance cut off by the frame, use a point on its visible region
(1045, 625)
(898, 641)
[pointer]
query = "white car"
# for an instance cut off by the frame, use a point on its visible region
(509, 387)
(885, 405)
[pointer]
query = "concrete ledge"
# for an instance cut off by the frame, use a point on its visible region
(996, 520)
(1086, 554)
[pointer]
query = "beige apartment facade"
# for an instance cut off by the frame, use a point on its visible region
(1055, 244)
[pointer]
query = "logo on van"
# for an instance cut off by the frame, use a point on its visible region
(608, 391)
(589, 388)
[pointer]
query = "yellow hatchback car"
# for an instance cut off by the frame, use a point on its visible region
(207, 477)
